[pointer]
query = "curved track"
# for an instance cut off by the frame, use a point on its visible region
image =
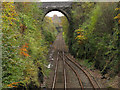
(65, 65)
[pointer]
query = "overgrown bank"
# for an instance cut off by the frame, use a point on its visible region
(94, 36)
(25, 44)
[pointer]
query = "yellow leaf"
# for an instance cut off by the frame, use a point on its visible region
(117, 9)
(119, 21)
(116, 17)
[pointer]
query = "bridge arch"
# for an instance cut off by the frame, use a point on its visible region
(63, 7)
(55, 9)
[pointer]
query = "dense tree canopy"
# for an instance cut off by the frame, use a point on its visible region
(95, 35)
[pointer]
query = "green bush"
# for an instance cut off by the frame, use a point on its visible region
(49, 30)
(96, 35)
(24, 46)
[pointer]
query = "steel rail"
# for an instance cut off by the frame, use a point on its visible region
(65, 78)
(82, 70)
(80, 81)
(55, 73)
(91, 75)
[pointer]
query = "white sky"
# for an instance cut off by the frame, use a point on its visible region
(80, 0)
(54, 0)
(50, 14)
(60, 0)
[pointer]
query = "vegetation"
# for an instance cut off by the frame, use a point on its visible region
(49, 29)
(92, 35)
(65, 26)
(95, 38)
(24, 44)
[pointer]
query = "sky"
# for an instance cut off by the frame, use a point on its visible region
(50, 14)
(80, 0)
(54, 0)
(60, 0)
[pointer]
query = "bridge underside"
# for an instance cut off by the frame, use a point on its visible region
(63, 7)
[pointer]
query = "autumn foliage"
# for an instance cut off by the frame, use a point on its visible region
(24, 51)
(80, 35)
(93, 36)
(13, 84)
(118, 15)
(24, 47)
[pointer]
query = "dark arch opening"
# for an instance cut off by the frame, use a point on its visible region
(64, 13)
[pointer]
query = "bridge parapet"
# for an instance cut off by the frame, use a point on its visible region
(56, 4)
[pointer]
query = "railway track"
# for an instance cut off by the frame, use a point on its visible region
(65, 80)
(63, 62)
(55, 74)
(59, 78)
(76, 73)
(83, 69)
(85, 73)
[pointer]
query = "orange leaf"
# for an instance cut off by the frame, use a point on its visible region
(119, 21)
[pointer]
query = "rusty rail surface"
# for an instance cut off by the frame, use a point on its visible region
(80, 67)
(76, 73)
(55, 73)
(90, 75)
(65, 79)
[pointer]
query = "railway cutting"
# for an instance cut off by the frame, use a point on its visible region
(66, 72)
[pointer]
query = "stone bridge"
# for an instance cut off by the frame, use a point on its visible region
(63, 7)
